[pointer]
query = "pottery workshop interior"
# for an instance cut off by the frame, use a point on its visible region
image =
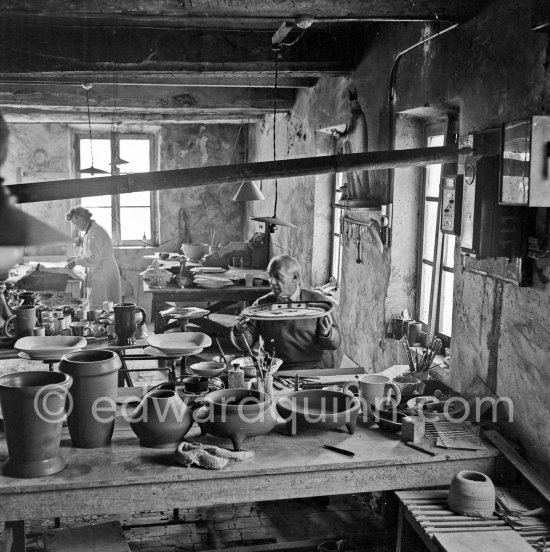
(274, 275)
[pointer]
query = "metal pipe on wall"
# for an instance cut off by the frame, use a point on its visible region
(230, 174)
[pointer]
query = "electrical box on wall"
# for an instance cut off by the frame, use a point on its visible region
(451, 204)
(488, 228)
(525, 163)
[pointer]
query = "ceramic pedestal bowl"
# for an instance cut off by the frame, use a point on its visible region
(318, 409)
(237, 414)
(195, 251)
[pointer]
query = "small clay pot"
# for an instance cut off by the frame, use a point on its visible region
(407, 384)
(161, 419)
(472, 494)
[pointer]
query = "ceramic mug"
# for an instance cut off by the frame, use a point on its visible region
(81, 329)
(125, 322)
(25, 320)
(374, 388)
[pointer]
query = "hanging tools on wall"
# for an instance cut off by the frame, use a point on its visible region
(355, 231)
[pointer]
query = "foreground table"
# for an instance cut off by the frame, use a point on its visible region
(126, 477)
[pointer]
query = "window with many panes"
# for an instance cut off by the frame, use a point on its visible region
(336, 261)
(130, 218)
(436, 262)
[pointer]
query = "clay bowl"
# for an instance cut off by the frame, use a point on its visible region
(195, 251)
(247, 365)
(318, 409)
(207, 369)
(407, 384)
(236, 414)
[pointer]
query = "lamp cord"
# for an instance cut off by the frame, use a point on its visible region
(275, 129)
(90, 126)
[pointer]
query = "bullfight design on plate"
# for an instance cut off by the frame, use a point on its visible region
(289, 311)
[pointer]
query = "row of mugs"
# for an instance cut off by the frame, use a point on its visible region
(80, 328)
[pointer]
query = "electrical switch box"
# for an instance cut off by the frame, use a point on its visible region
(525, 163)
(488, 228)
(451, 204)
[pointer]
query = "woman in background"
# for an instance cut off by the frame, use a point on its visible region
(102, 274)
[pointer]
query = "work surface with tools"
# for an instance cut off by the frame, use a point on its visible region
(125, 475)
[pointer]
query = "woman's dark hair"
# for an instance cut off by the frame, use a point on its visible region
(79, 212)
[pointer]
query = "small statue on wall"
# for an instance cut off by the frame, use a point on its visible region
(355, 140)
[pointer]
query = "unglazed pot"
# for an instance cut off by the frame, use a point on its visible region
(161, 419)
(236, 414)
(91, 418)
(472, 494)
(33, 410)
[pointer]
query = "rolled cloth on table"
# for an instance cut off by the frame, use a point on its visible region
(208, 456)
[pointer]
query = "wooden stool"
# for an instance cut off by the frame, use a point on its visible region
(440, 529)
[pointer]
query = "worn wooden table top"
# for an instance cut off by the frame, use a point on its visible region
(127, 477)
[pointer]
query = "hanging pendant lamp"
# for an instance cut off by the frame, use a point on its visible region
(115, 125)
(91, 170)
(248, 191)
(272, 222)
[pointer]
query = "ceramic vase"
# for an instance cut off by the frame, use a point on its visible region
(33, 410)
(472, 494)
(161, 419)
(91, 417)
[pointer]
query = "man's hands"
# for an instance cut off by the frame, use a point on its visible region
(324, 326)
(241, 325)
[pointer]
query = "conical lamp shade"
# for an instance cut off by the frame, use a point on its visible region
(248, 191)
(274, 220)
(19, 229)
(118, 161)
(92, 170)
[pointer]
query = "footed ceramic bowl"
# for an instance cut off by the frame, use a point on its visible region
(318, 409)
(236, 414)
(195, 251)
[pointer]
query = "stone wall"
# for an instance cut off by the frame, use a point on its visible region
(45, 152)
(492, 69)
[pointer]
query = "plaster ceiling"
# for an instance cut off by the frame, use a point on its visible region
(185, 60)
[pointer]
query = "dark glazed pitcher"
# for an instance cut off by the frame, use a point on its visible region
(125, 322)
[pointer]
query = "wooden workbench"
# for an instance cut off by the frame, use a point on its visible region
(126, 477)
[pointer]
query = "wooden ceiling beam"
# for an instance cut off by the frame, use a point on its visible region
(230, 174)
(248, 12)
(305, 78)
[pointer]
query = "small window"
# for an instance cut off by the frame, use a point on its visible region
(128, 218)
(436, 263)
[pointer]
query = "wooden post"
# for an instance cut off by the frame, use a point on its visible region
(231, 174)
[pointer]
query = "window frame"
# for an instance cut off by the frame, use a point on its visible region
(336, 229)
(431, 327)
(115, 198)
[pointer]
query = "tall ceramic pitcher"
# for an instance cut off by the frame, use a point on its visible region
(125, 322)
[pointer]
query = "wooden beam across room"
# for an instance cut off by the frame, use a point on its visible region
(67, 103)
(230, 174)
(248, 12)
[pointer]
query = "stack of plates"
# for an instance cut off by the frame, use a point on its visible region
(50, 347)
(183, 343)
(212, 282)
(208, 270)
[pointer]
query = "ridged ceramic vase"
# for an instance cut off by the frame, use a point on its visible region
(472, 494)
(91, 419)
(33, 410)
(161, 419)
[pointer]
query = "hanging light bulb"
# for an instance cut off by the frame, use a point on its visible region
(91, 169)
(248, 191)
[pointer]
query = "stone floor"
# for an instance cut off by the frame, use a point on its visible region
(300, 524)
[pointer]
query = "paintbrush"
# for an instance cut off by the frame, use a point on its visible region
(259, 372)
(223, 357)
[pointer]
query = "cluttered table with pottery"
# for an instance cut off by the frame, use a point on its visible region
(181, 444)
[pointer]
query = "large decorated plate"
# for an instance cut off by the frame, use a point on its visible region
(289, 311)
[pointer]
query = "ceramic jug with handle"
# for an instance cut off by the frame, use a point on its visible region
(125, 322)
